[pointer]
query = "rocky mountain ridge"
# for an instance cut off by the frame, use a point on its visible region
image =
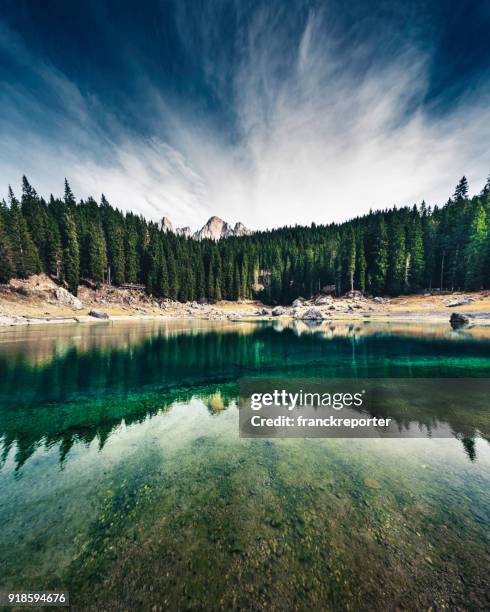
(214, 229)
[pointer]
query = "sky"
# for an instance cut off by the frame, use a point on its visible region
(268, 112)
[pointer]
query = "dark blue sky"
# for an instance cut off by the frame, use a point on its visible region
(314, 110)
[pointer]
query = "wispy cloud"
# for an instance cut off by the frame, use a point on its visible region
(322, 132)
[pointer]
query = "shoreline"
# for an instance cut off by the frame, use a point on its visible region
(39, 301)
(9, 321)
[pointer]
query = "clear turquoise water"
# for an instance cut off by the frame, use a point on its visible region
(124, 481)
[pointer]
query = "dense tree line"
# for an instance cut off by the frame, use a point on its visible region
(389, 252)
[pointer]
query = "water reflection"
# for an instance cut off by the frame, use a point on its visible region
(79, 383)
(38, 345)
(158, 503)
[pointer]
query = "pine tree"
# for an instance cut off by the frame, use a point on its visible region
(455, 235)
(244, 277)
(461, 191)
(228, 261)
(200, 279)
(276, 277)
(237, 283)
(476, 248)
(429, 234)
(53, 248)
(154, 262)
(192, 282)
(173, 283)
(97, 256)
(396, 274)
(310, 274)
(114, 235)
(69, 198)
(380, 258)
(360, 266)
(131, 254)
(415, 261)
(25, 256)
(35, 213)
(217, 276)
(163, 284)
(253, 272)
(348, 260)
(71, 254)
(486, 188)
(211, 288)
(7, 268)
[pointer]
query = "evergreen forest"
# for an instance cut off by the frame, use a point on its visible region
(389, 252)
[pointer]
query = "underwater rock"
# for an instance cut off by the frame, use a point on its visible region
(372, 483)
(459, 319)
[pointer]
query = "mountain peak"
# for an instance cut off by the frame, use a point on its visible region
(241, 230)
(214, 229)
(166, 225)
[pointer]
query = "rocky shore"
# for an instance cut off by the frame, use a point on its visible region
(40, 300)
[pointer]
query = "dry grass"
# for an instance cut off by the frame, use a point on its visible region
(438, 303)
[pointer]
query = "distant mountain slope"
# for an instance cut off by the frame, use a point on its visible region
(214, 229)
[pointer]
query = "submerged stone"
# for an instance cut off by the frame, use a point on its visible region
(458, 319)
(371, 483)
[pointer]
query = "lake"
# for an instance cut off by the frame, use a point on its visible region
(123, 479)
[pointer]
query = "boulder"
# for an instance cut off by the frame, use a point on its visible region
(278, 311)
(68, 299)
(310, 314)
(263, 312)
(298, 302)
(323, 300)
(461, 302)
(98, 314)
(355, 294)
(459, 319)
